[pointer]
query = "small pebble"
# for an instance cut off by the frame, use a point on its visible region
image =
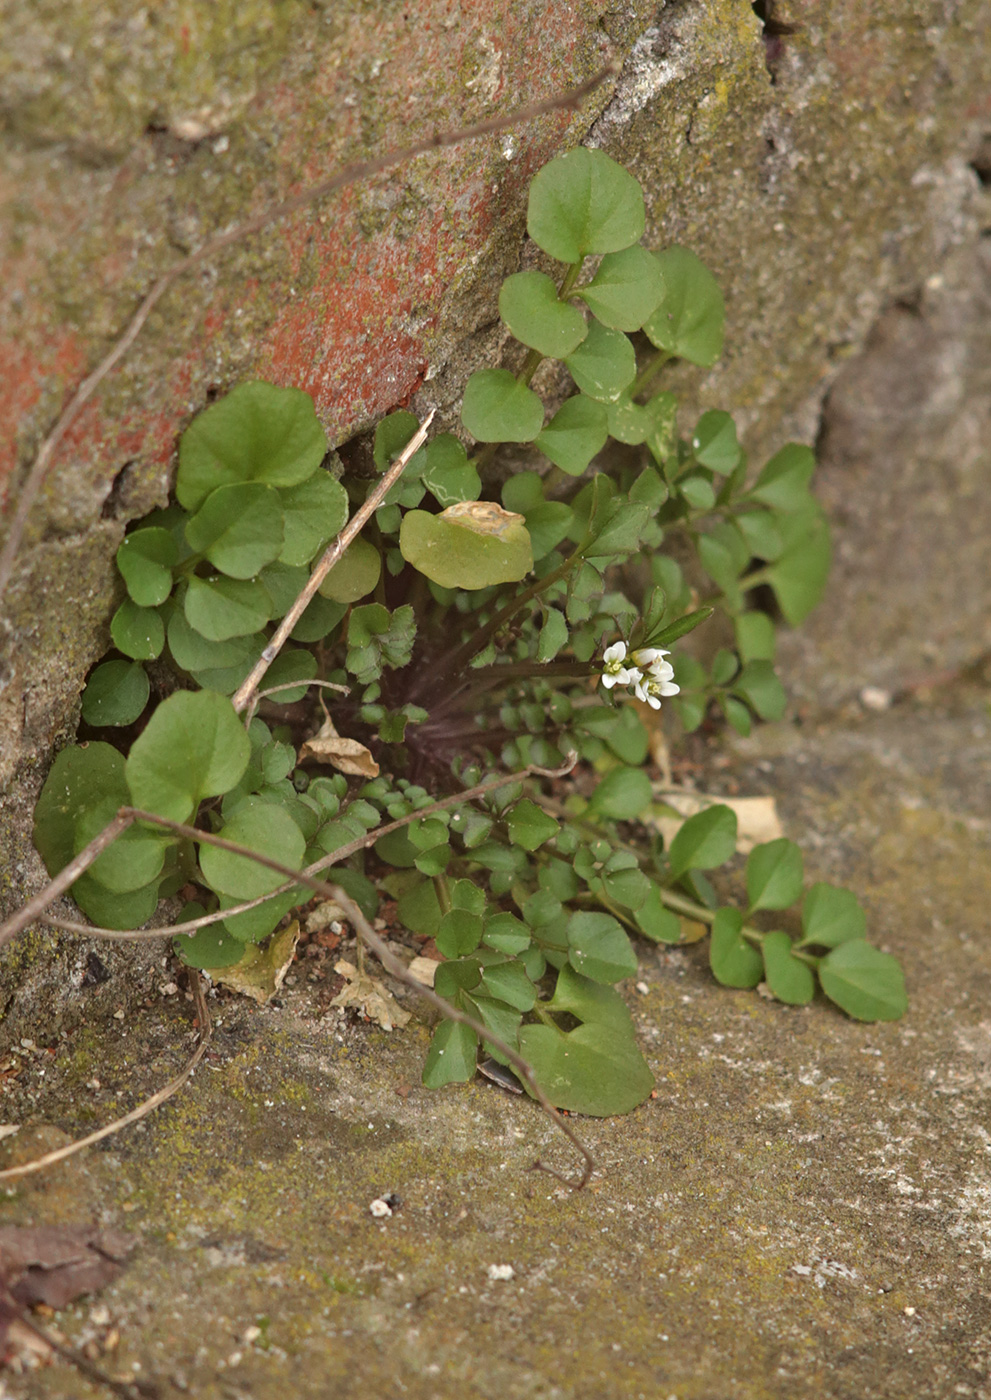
(642, 988)
(119, 1014)
(872, 697)
(168, 989)
(250, 1334)
(380, 1208)
(501, 1273)
(909, 1312)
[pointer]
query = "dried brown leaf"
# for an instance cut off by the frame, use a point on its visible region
(346, 755)
(261, 971)
(369, 996)
(756, 817)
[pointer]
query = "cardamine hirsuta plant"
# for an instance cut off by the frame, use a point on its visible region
(452, 706)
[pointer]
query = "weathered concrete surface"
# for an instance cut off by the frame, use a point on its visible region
(803, 1210)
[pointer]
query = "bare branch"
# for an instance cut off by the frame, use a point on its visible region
(330, 557)
(347, 175)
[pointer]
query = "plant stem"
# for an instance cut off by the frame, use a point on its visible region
(653, 366)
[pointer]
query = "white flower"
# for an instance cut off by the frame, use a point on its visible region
(614, 672)
(646, 657)
(652, 686)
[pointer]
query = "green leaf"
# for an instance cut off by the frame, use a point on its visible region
(864, 982)
(604, 364)
(220, 608)
(628, 887)
(208, 947)
(575, 434)
(761, 689)
(145, 559)
(661, 439)
(656, 921)
(704, 841)
(619, 532)
(355, 574)
(547, 525)
(791, 980)
(622, 730)
(471, 545)
(723, 554)
(760, 530)
(314, 513)
(626, 289)
(584, 202)
(193, 652)
(775, 875)
(291, 664)
(508, 982)
(497, 408)
(109, 910)
(598, 948)
(733, 961)
(391, 436)
(137, 632)
(257, 432)
(831, 915)
(630, 422)
(134, 860)
(553, 635)
(799, 576)
(78, 780)
(238, 528)
(596, 1068)
(459, 934)
(529, 305)
(448, 475)
(622, 794)
(529, 825)
(681, 628)
(506, 934)
(689, 321)
(697, 489)
(715, 443)
(784, 482)
(755, 637)
(194, 746)
(417, 908)
(259, 826)
(116, 694)
(737, 714)
(451, 1057)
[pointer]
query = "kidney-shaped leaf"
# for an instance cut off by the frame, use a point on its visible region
(194, 746)
(689, 321)
(257, 432)
(575, 434)
(626, 289)
(145, 559)
(584, 202)
(529, 305)
(260, 826)
(238, 528)
(497, 408)
(473, 544)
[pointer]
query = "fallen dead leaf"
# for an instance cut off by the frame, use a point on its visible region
(54, 1264)
(423, 970)
(346, 755)
(262, 970)
(369, 996)
(756, 817)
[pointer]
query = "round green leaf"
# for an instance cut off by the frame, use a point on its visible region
(775, 877)
(622, 794)
(706, 840)
(584, 202)
(291, 664)
(472, 545)
(791, 980)
(688, 323)
(604, 364)
(314, 513)
(760, 687)
(529, 825)
(115, 694)
(529, 305)
(451, 1057)
(506, 934)
(208, 947)
(629, 422)
(460, 933)
(448, 475)
(137, 632)
(599, 949)
(220, 608)
(715, 443)
(257, 432)
(497, 408)
(239, 528)
(832, 915)
(798, 577)
(864, 982)
(145, 560)
(391, 436)
(133, 861)
(508, 982)
(110, 910)
(194, 746)
(355, 574)
(656, 921)
(626, 289)
(259, 826)
(733, 961)
(575, 434)
(755, 638)
(193, 652)
(79, 779)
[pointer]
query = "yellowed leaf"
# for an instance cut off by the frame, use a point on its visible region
(261, 972)
(346, 755)
(369, 996)
(757, 817)
(423, 970)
